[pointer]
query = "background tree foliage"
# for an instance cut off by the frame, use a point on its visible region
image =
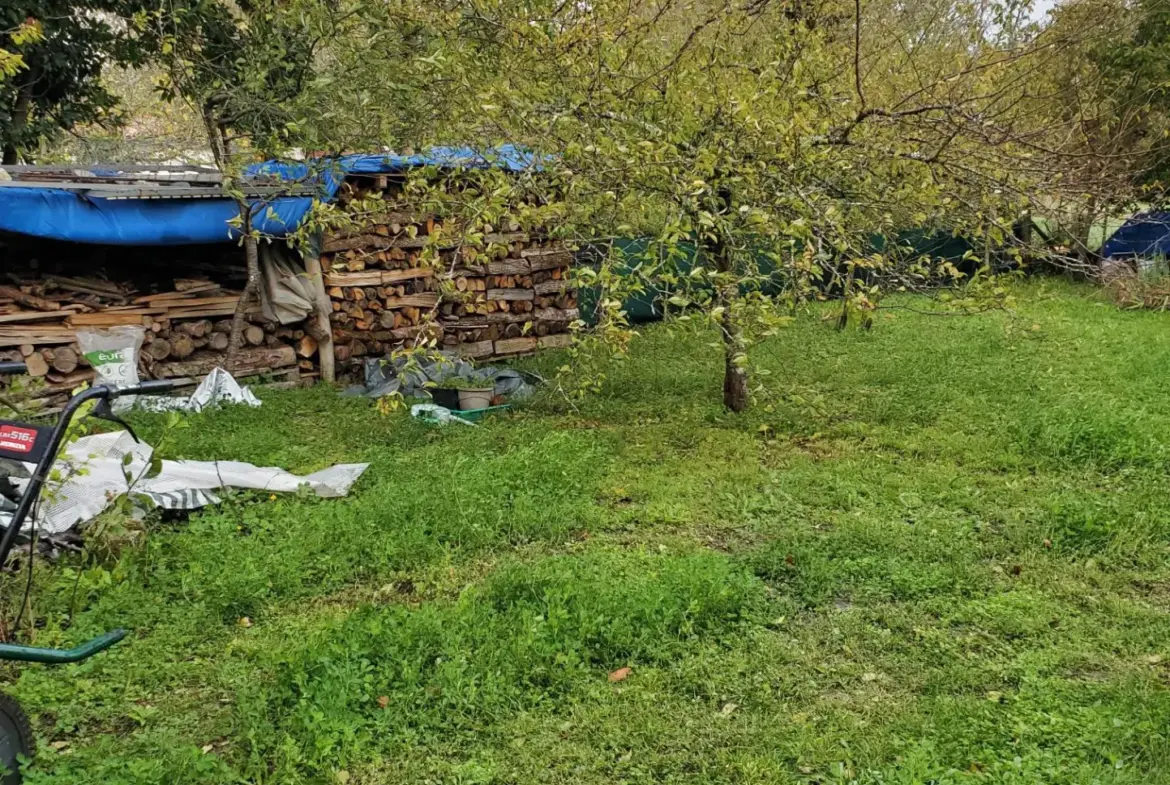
(790, 144)
(56, 84)
(770, 151)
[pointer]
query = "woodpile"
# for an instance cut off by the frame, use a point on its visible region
(186, 330)
(507, 295)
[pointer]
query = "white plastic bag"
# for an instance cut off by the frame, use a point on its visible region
(113, 353)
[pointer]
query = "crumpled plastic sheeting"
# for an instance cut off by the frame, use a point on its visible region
(437, 414)
(217, 387)
(386, 377)
(181, 485)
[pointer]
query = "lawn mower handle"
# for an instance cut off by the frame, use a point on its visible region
(33, 490)
(13, 653)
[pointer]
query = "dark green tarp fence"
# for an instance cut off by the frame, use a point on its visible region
(648, 305)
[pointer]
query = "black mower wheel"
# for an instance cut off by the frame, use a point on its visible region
(16, 739)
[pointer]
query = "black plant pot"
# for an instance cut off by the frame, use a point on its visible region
(448, 399)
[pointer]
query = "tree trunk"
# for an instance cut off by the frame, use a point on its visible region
(735, 374)
(21, 111)
(251, 291)
(735, 377)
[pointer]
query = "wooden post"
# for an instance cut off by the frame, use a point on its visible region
(323, 308)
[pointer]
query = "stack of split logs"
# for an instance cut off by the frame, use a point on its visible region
(507, 296)
(186, 331)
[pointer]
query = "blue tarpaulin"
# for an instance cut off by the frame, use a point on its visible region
(1143, 235)
(70, 215)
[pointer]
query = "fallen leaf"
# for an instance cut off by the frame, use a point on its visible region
(995, 697)
(244, 621)
(869, 677)
(208, 747)
(1047, 543)
(621, 674)
(728, 708)
(1154, 659)
(383, 701)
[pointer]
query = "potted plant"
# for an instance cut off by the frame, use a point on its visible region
(474, 392)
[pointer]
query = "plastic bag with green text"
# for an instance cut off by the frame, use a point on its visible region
(113, 353)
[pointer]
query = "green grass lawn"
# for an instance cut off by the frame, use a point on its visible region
(939, 555)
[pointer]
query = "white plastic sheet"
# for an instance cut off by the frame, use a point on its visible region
(180, 485)
(217, 387)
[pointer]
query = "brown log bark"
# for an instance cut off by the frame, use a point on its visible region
(307, 346)
(253, 335)
(40, 303)
(64, 360)
(160, 348)
(36, 364)
(182, 346)
(255, 360)
(735, 374)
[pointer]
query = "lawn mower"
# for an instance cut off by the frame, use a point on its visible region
(39, 445)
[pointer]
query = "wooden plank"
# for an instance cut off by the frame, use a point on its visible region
(531, 253)
(101, 319)
(367, 278)
(550, 287)
(421, 300)
(558, 341)
(511, 294)
(185, 294)
(202, 313)
(88, 286)
(473, 270)
(515, 345)
(207, 301)
(556, 314)
(372, 242)
(377, 277)
(509, 267)
(476, 349)
(549, 261)
(37, 340)
(33, 316)
(410, 274)
(559, 315)
(504, 238)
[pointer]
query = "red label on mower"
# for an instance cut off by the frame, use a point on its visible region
(16, 439)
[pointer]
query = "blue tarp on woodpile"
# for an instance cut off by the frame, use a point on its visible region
(76, 216)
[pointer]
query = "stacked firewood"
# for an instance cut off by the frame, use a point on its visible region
(186, 330)
(506, 295)
(381, 294)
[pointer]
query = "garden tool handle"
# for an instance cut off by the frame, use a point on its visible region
(13, 652)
